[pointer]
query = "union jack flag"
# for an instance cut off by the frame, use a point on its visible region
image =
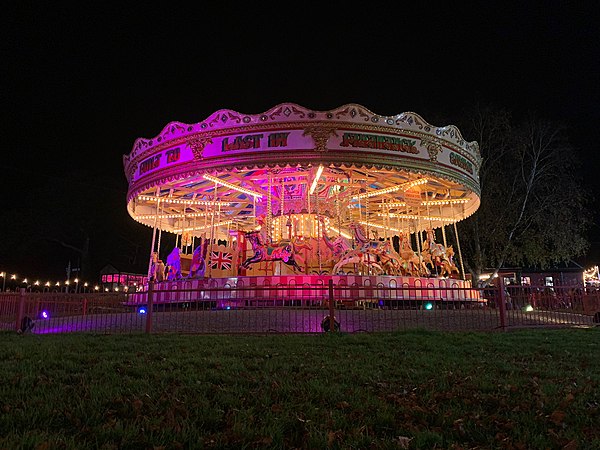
(221, 260)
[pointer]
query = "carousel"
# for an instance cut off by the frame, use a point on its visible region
(298, 196)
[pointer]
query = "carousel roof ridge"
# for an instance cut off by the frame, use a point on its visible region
(290, 112)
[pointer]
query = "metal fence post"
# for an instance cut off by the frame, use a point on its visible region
(20, 309)
(331, 307)
(502, 302)
(150, 306)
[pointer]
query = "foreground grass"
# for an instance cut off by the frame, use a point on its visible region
(416, 389)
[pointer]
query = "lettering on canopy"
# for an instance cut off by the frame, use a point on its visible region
(379, 142)
(251, 141)
(460, 161)
(154, 162)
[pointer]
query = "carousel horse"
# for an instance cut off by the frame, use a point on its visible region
(437, 256)
(368, 260)
(447, 265)
(361, 238)
(437, 252)
(198, 264)
(299, 244)
(416, 267)
(444, 265)
(157, 268)
(283, 251)
(174, 265)
(389, 259)
(412, 264)
(343, 253)
(160, 271)
(381, 256)
(404, 262)
(338, 246)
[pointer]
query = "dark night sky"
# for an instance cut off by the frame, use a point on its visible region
(80, 85)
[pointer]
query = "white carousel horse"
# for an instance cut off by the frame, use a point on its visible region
(283, 251)
(368, 260)
(174, 265)
(370, 251)
(437, 256)
(436, 251)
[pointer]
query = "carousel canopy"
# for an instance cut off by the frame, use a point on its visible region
(347, 165)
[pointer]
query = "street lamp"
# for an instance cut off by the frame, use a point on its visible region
(67, 286)
(3, 275)
(85, 285)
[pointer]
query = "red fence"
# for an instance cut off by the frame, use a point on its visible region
(300, 309)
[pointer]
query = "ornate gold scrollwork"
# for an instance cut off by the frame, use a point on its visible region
(433, 147)
(131, 171)
(197, 145)
(320, 136)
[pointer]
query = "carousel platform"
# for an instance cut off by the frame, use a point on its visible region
(309, 290)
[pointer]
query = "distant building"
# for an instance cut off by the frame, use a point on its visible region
(112, 279)
(570, 274)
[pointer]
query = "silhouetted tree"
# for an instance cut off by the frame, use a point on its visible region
(533, 205)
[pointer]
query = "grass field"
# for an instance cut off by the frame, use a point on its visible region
(532, 389)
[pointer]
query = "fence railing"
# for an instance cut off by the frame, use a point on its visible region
(299, 309)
